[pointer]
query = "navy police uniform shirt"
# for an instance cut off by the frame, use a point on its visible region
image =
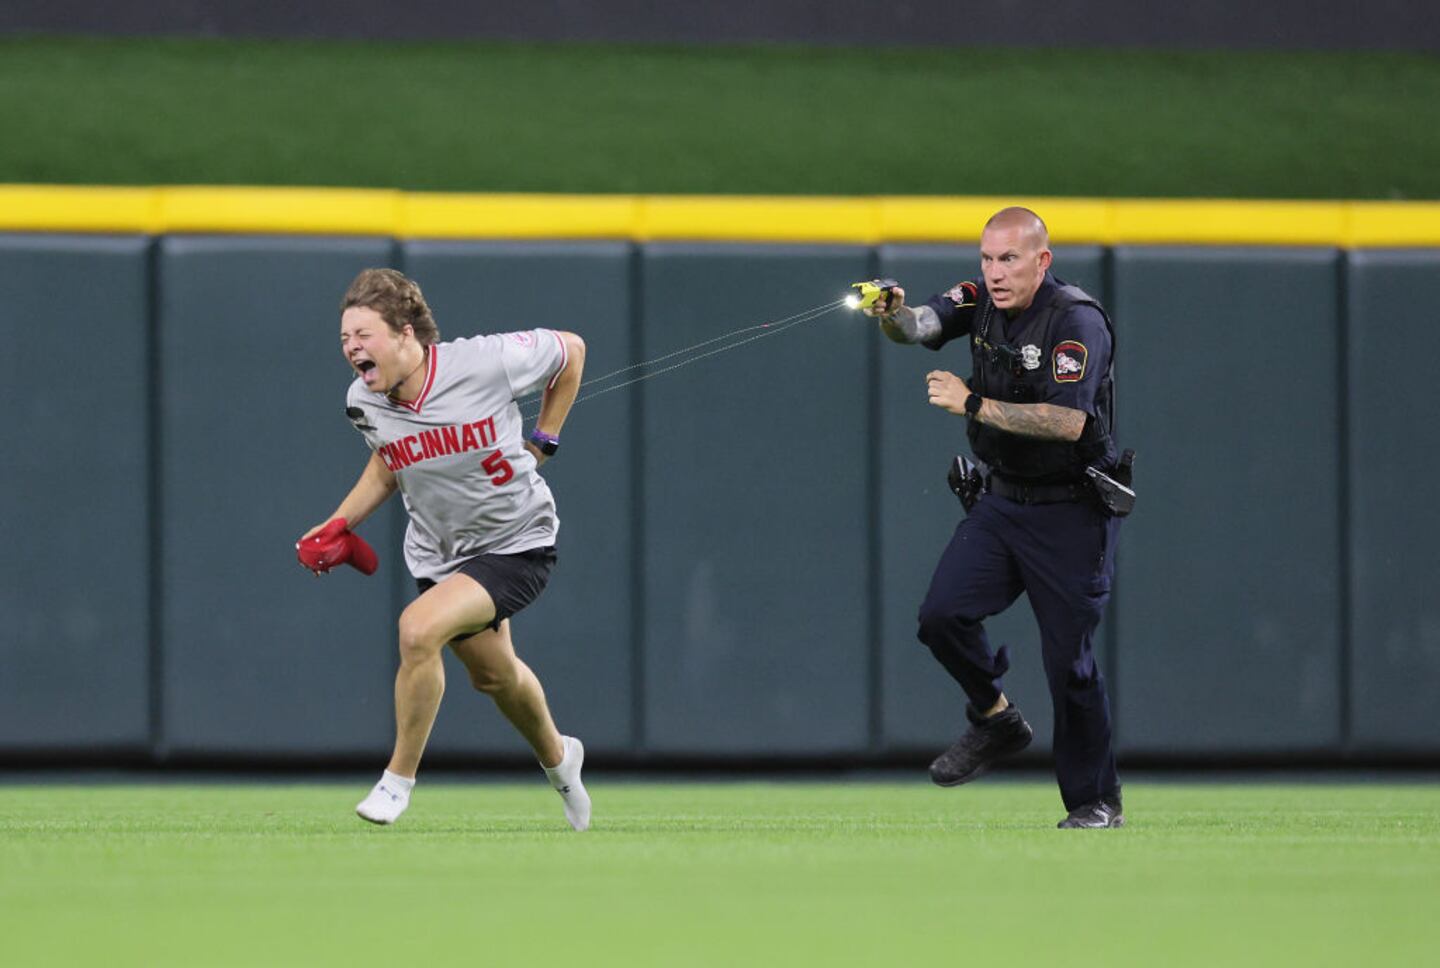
(1081, 348)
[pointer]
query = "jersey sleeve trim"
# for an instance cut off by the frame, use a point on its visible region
(564, 359)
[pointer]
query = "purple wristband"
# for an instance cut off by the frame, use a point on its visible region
(546, 443)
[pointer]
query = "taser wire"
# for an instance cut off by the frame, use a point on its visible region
(761, 331)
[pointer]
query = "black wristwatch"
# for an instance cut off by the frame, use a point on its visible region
(543, 442)
(972, 404)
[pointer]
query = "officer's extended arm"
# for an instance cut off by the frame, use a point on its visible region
(907, 325)
(901, 323)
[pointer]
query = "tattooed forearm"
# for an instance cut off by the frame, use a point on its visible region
(1044, 420)
(909, 325)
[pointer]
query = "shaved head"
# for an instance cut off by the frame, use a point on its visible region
(1014, 256)
(1030, 226)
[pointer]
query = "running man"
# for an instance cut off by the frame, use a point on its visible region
(443, 429)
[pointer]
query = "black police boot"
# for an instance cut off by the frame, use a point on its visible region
(1104, 812)
(986, 741)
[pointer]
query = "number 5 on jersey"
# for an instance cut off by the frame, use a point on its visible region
(498, 467)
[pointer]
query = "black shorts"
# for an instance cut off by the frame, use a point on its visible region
(513, 581)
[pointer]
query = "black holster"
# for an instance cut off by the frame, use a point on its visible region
(967, 480)
(1115, 490)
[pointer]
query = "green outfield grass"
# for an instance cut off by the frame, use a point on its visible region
(719, 874)
(787, 120)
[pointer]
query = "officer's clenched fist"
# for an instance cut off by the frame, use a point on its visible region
(947, 390)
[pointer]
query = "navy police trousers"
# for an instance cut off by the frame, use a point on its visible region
(1062, 557)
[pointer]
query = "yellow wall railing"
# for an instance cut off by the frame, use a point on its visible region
(643, 218)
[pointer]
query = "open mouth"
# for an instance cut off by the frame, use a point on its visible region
(365, 368)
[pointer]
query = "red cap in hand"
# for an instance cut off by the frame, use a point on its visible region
(335, 545)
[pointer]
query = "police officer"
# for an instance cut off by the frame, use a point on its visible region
(1039, 409)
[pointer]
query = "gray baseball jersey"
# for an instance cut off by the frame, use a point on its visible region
(469, 484)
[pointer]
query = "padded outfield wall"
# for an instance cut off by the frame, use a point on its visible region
(745, 540)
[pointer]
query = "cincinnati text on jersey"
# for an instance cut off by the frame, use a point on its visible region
(439, 442)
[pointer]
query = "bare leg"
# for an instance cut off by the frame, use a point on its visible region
(495, 670)
(489, 657)
(454, 607)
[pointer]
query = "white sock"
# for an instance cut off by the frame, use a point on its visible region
(387, 799)
(565, 778)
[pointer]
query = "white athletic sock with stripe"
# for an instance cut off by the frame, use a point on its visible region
(565, 778)
(387, 800)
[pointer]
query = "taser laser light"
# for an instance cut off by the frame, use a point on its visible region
(868, 294)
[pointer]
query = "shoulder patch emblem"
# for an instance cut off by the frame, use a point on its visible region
(1030, 356)
(1068, 361)
(524, 339)
(962, 294)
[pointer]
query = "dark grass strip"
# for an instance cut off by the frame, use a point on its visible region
(786, 120)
